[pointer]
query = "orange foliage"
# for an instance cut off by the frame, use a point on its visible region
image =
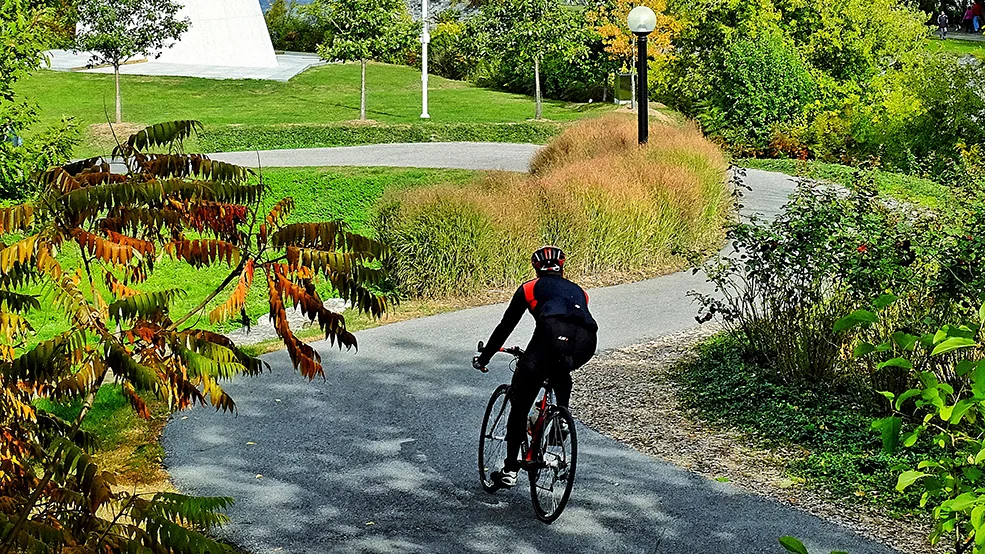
(619, 42)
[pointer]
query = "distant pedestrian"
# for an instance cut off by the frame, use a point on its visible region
(976, 16)
(942, 25)
(967, 21)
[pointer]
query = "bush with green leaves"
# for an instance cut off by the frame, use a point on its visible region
(763, 83)
(451, 53)
(875, 93)
(23, 160)
(292, 28)
(787, 282)
(945, 409)
(24, 35)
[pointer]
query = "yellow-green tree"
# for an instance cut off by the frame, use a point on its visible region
(609, 19)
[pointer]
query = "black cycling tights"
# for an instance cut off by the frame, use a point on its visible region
(556, 349)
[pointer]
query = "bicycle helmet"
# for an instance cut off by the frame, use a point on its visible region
(548, 259)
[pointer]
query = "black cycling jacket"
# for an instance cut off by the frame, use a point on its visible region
(547, 296)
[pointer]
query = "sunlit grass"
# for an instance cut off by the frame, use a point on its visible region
(321, 95)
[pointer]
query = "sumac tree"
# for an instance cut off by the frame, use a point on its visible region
(53, 496)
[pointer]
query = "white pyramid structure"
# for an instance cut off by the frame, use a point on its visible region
(227, 33)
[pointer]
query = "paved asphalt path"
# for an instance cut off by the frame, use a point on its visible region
(450, 155)
(380, 456)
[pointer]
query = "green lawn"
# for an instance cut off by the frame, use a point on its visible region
(322, 95)
(957, 46)
(320, 194)
(905, 187)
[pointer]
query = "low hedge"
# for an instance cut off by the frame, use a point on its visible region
(233, 138)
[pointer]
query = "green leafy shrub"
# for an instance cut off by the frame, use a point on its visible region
(788, 281)
(763, 83)
(273, 137)
(21, 164)
(451, 53)
(919, 114)
(946, 410)
(292, 28)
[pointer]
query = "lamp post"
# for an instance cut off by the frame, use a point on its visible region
(642, 21)
(425, 40)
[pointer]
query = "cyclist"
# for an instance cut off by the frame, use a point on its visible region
(564, 339)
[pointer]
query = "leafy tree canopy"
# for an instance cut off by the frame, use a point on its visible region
(115, 31)
(22, 42)
(528, 29)
(363, 29)
(609, 19)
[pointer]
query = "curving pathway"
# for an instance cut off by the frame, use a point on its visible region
(380, 456)
(445, 155)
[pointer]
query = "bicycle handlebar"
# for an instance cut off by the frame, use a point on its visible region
(515, 351)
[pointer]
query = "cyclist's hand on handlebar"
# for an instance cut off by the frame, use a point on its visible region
(477, 365)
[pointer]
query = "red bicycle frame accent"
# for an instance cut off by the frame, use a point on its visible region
(538, 428)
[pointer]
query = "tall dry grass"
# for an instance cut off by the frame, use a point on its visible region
(619, 211)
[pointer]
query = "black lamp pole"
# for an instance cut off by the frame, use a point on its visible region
(642, 101)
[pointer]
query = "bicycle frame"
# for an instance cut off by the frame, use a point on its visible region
(547, 400)
(549, 462)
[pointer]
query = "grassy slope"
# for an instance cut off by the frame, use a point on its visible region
(321, 95)
(905, 187)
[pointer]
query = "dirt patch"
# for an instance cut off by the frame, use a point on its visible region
(138, 461)
(629, 395)
(103, 133)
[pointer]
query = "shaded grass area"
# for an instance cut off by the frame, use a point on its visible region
(904, 187)
(321, 95)
(126, 443)
(828, 424)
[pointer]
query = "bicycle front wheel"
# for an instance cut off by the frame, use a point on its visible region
(492, 442)
(553, 475)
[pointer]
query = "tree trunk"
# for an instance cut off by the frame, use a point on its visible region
(119, 103)
(362, 92)
(539, 110)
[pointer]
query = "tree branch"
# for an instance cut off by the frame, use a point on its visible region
(225, 283)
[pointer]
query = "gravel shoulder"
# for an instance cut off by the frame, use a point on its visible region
(629, 395)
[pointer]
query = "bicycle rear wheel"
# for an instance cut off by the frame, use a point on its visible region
(553, 475)
(492, 441)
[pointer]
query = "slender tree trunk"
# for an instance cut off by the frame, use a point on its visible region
(119, 104)
(539, 111)
(362, 92)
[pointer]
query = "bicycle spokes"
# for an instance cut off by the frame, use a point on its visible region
(551, 477)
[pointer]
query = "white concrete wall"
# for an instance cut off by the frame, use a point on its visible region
(223, 33)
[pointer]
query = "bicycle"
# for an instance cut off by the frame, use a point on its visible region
(548, 453)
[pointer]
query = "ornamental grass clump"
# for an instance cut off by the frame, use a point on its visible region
(620, 212)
